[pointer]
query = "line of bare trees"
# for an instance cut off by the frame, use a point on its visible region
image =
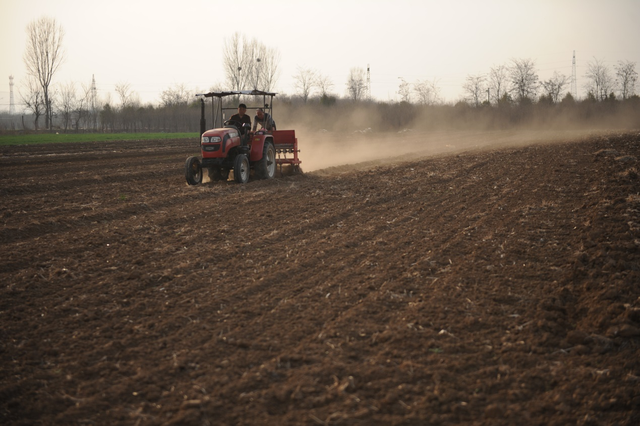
(308, 82)
(78, 109)
(178, 114)
(178, 111)
(249, 64)
(518, 82)
(422, 92)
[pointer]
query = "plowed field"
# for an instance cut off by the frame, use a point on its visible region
(463, 283)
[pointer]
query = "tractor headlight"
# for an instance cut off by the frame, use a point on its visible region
(215, 139)
(205, 139)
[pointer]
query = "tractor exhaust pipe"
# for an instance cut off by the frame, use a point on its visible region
(203, 121)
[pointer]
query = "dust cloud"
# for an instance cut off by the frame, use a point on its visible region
(326, 150)
(378, 134)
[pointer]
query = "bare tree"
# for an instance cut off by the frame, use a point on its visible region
(107, 117)
(262, 65)
(475, 88)
(68, 100)
(43, 56)
(427, 92)
(524, 79)
(258, 52)
(175, 96)
(250, 64)
(175, 101)
(305, 80)
(33, 99)
(404, 90)
(236, 61)
(627, 78)
(124, 92)
(498, 79)
(268, 68)
(324, 85)
(555, 86)
(600, 82)
(216, 87)
(83, 106)
(129, 100)
(356, 87)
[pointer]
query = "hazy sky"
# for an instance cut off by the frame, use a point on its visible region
(156, 44)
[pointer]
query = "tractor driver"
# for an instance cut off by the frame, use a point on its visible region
(241, 118)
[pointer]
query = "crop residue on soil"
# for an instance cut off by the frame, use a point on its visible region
(476, 286)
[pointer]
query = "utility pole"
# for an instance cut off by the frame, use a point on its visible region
(574, 80)
(94, 115)
(12, 107)
(368, 83)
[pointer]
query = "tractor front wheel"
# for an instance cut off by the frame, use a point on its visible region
(241, 169)
(193, 171)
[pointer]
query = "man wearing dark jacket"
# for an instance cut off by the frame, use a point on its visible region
(241, 118)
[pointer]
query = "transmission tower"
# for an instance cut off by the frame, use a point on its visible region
(12, 106)
(574, 80)
(368, 83)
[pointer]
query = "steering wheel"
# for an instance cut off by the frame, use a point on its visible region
(235, 123)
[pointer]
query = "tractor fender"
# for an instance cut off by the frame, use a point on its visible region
(257, 146)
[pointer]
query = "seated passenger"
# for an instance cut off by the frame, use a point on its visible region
(241, 118)
(265, 121)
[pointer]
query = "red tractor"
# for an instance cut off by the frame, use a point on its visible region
(235, 147)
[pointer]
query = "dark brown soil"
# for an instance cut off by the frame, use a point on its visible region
(483, 287)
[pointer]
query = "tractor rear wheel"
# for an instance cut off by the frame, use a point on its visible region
(193, 171)
(241, 169)
(266, 167)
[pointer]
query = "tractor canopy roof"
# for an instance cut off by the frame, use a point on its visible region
(236, 92)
